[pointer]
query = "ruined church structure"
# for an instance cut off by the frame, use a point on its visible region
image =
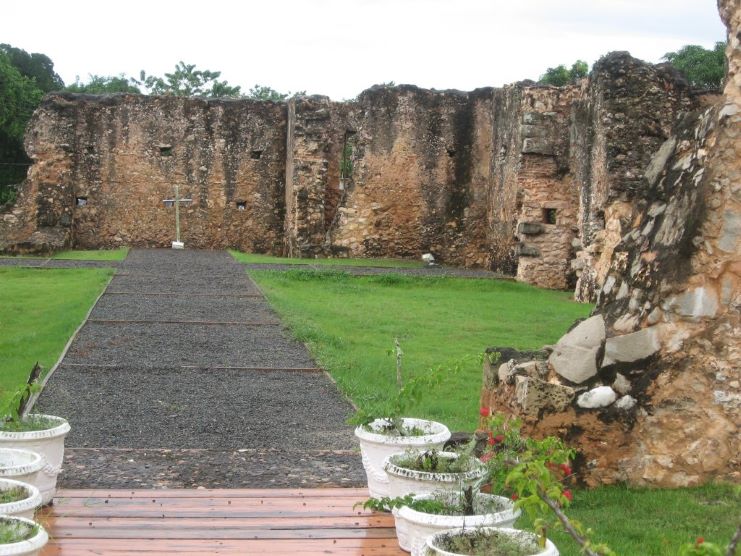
(624, 187)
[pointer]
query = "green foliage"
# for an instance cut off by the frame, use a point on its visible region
(701, 548)
(346, 166)
(37, 67)
(12, 531)
(263, 92)
(561, 75)
(187, 81)
(703, 68)
(103, 84)
(13, 494)
(19, 97)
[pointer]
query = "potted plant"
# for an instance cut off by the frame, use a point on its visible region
(21, 537)
(382, 431)
(489, 541)
(417, 517)
(432, 471)
(20, 465)
(18, 499)
(39, 433)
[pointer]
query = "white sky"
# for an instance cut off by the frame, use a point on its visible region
(340, 47)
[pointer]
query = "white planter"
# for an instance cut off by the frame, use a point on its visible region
(21, 508)
(49, 444)
(30, 547)
(20, 465)
(375, 447)
(433, 547)
(404, 481)
(413, 527)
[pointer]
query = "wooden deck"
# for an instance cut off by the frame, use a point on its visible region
(269, 521)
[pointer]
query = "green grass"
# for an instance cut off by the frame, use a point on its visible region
(350, 324)
(648, 522)
(40, 310)
(80, 255)
(256, 258)
(93, 254)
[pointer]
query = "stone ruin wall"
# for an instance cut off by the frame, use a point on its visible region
(471, 177)
(649, 387)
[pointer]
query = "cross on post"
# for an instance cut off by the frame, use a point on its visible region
(177, 244)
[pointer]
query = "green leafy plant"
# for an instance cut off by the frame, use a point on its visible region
(13, 494)
(14, 410)
(12, 531)
(477, 542)
(408, 392)
(535, 472)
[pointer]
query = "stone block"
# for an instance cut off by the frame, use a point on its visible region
(537, 145)
(574, 363)
(524, 250)
(602, 396)
(535, 396)
(631, 347)
(621, 385)
(530, 228)
(626, 403)
(589, 333)
(697, 303)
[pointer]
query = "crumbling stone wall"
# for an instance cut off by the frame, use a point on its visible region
(649, 387)
(104, 164)
(515, 179)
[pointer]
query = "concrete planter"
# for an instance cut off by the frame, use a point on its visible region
(20, 508)
(404, 481)
(432, 544)
(29, 547)
(20, 465)
(375, 447)
(49, 444)
(413, 527)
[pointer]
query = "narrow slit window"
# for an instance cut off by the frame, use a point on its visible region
(166, 150)
(255, 155)
(241, 205)
(80, 201)
(451, 153)
(549, 216)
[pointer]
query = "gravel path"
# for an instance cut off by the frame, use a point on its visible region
(179, 379)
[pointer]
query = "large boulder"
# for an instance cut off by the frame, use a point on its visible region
(575, 355)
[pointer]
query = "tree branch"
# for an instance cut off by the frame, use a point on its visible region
(581, 541)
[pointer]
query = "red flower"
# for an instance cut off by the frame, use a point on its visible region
(567, 494)
(515, 496)
(485, 411)
(486, 457)
(565, 469)
(699, 541)
(498, 438)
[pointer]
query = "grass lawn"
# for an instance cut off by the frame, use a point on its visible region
(81, 255)
(648, 522)
(255, 258)
(40, 310)
(350, 324)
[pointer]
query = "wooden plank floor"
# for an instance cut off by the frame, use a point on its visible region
(221, 521)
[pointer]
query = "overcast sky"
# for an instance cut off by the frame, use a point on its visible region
(340, 47)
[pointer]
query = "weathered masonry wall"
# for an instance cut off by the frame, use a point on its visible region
(519, 179)
(104, 164)
(649, 387)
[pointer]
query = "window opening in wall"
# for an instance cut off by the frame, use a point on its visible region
(549, 216)
(346, 167)
(166, 150)
(451, 153)
(80, 201)
(255, 155)
(241, 205)
(169, 203)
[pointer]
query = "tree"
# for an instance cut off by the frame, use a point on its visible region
(103, 84)
(560, 75)
(186, 81)
(38, 67)
(703, 68)
(19, 97)
(262, 92)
